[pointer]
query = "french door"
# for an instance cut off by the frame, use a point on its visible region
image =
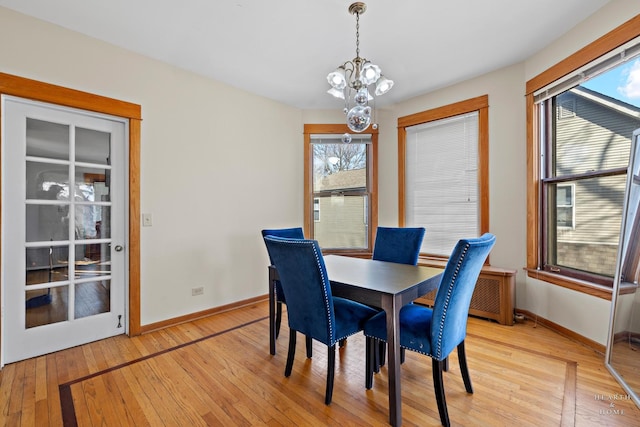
(63, 227)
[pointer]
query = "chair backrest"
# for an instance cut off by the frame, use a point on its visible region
(289, 233)
(306, 287)
(398, 244)
(451, 305)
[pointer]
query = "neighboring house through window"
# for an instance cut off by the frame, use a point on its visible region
(443, 174)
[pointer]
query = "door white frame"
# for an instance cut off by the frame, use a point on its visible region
(19, 342)
(39, 91)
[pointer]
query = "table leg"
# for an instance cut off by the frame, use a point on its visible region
(392, 307)
(272, 311)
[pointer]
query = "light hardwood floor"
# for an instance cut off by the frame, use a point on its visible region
(218, 371)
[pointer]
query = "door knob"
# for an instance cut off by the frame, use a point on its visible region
(118, 248)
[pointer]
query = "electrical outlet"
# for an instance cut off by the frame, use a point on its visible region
(197, 291)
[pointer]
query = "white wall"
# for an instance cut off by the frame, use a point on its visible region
(218, 164)
(209, 198)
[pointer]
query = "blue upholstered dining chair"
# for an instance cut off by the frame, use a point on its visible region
(436, 332)
(401, 245)
(311, 309)
(398, 244)
(289, 233)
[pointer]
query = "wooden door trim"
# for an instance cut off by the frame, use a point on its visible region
(59, 95)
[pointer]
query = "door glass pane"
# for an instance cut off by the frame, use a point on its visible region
(45, 306)
(93, 146)
(47, 264)
(46, 181)
(47, 222)
(48, 140)
(92, 222)
(92, 184)
(92, 260)
(92, 298)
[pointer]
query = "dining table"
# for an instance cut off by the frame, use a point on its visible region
(385, 285)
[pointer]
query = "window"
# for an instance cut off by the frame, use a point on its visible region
(584, 159)
(565, 200)
(567, 109)
(443, 175)
(340, 188)
(316, 210)
(578, 138)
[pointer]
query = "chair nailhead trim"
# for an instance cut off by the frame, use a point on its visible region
(448, 300)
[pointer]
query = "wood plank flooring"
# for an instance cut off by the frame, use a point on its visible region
(218, 371)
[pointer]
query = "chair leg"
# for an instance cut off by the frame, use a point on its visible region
(292, 352)
(278, 318)
(375, 348)
(342, 342)
(370, 361)
(331, 357)
(446, 364)
(462, 357)
(402, 354)
(438, 386)
(309, 343)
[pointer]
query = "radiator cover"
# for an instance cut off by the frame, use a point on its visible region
(493, 297)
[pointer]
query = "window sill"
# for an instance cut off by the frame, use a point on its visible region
(350, 253)
(589, 288)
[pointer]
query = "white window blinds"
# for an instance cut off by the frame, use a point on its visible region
(441, 169)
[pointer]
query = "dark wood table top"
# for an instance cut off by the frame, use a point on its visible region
(350, 275)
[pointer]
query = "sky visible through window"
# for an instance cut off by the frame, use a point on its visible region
(621, 82)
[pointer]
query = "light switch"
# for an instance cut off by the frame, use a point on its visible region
(146, 220)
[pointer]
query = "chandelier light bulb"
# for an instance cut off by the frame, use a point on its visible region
(383, 86)
(337, 79)
(370, 73)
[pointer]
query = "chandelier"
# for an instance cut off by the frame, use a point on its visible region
(351, 82)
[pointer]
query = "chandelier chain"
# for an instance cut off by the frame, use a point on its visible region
(357, 35)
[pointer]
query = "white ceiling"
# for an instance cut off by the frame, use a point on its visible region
(283, 49)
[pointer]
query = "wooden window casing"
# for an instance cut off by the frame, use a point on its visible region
(479, 104)
(610, 41)
(372, 178)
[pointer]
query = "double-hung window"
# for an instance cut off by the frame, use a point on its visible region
(340, 188)
(580, 128)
